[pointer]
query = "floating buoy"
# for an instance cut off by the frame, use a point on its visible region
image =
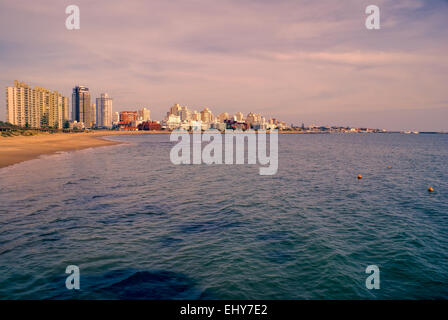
(431, 189)
(359, 176)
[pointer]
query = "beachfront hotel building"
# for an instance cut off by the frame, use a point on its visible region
(128, 117)
(81, 107)
(35, 107)
(104, 111)
(128, 120)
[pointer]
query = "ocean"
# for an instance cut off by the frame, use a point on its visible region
(139, 227)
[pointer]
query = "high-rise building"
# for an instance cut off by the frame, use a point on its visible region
(253, 118)
(81, 107)
(222, 117)
(35, 108)
(195, 116)
(144, 114)
(239, 116)
(115, 118)
(206, 115)
(185, 114)
(175, 110)
(93, 115)
(65, 110)
(104, 111)
(21, 107)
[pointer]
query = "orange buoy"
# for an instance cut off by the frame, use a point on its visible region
(431, 189)
(359, 176)
(388, 167)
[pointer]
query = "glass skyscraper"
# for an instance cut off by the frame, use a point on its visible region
(81, 107)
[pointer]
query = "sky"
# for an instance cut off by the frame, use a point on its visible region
(301, 61)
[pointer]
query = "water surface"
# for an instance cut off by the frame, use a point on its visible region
(141, 227)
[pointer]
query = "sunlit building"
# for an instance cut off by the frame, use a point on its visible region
(173, 122)
(253, 119)
(175, 110)
(81, 106)
(206, 115)
(239, 116)
(222, 117)
(195, 116)
(104, 118)
(128, 117)
(35, 108)
(115, 118)
(144, 114)
(93, 115)
(185, 114)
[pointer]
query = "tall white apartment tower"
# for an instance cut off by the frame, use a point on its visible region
(35, 107)
(104, 111)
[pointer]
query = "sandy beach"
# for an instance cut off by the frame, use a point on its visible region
(22, 148)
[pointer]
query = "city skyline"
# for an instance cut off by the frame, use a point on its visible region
(37, 107)
(256, 56)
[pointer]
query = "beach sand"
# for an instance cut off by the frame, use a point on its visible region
(22, 148)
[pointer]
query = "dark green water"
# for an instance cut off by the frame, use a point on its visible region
(139, 227)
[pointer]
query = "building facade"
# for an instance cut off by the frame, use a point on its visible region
(222, 117)
(149, 125)
(175, 110)
(185, 114)
(35, 107)
(128, 117)
(206, 115)
(104, 111)
(115, 118)
(239, 116)
(81, 106)
(144, 114)
(93, 115)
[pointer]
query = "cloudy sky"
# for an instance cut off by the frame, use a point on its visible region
(310, 61)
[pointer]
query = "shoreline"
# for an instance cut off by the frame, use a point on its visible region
(18, 149)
